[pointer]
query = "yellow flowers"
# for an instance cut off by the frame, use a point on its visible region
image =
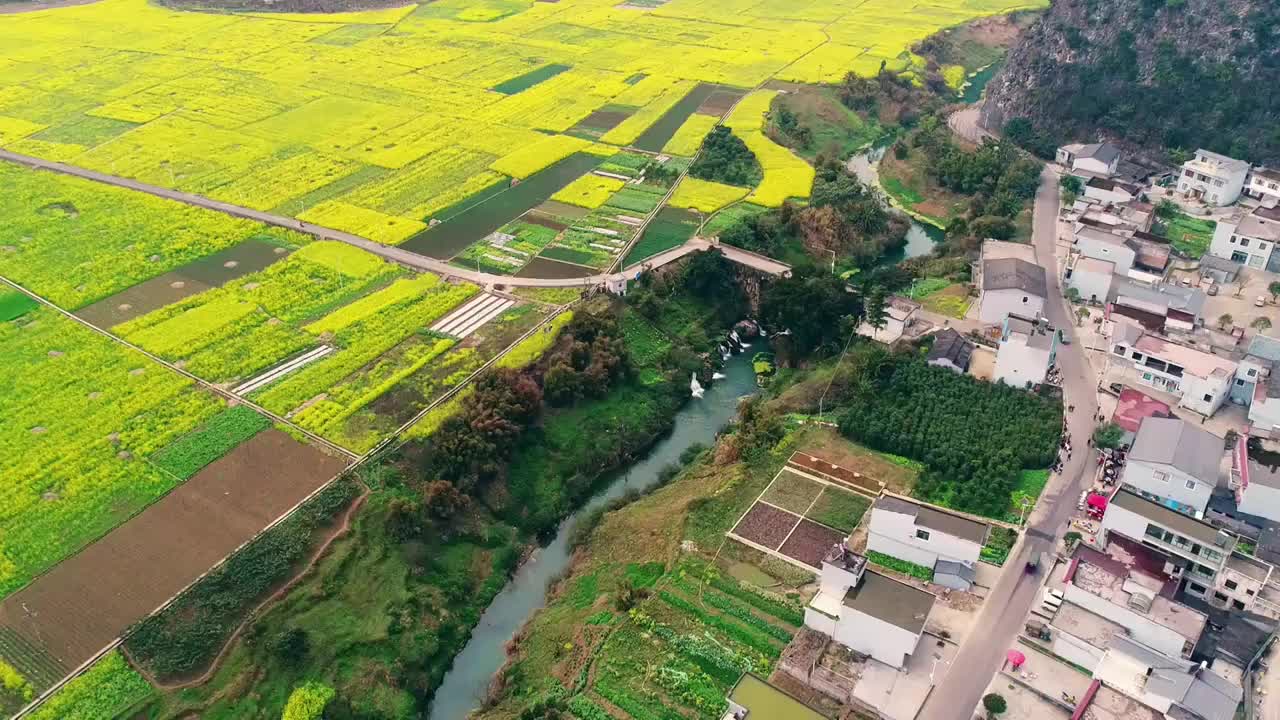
(525, 161)
(704, 195)
(589, 191)
(689, 136)
(785, 175)
(628, 130)
(386, 229)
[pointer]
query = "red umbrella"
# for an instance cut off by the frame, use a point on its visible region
(1015, 658)
(1098, 501)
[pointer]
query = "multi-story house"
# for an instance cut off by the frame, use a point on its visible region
(1028, 348)
(1010, 280)
(1160, 307)
(1094, 242)
(868, 612)
(1093, 159)
(1174, 463)
(1254, 369)
(1255, 477)
(1201, 380)
(1212, 178)
(1199, 556)
(1251, 241)
(927, 536)
(1263, 184)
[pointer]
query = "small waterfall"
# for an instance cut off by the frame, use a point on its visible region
(717, 376)
(763, 333)
(695, 388)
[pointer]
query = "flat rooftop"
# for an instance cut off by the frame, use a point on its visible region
(1111, 579)
(1110, 704)
(1196, 362)
(1090, 627)
(1135, 405)
(891, 601)
(1249, 567)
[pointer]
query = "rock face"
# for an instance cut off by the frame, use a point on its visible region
(1162, 74)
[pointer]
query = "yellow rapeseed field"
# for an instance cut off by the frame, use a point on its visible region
(704, 195)
(374, 121)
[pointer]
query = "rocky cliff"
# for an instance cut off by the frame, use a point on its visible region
(1168, 75)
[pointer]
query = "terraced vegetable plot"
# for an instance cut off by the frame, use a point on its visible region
(801, 518)
(334, 117)
(678, 653)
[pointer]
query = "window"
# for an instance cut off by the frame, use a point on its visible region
(1231, 584)
(1191, 484)
(1024, 298)
(1219, 597)
(1162, 477)
(1262, 246)
(922, 534)
(1234, 239)
(1237, 605)
(1119, 350)
(1248, 591)
(1197, 588)
(1252, 372)
(1239, 382)
(1137, 357)
(1244, 242)
(1208, 397)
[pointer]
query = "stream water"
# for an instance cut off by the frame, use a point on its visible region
(921, 238)
(696, 423)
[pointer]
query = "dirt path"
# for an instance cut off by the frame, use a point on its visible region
(338, 531)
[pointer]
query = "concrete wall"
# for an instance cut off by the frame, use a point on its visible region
(1073, 649)
(895, 534)
(1094, 165)
(1141, 475)
(1140, 627)
(1121, 255)
(997, 304)
(1261, 500)
(1195, 389)
(820, 622)
(887, 643)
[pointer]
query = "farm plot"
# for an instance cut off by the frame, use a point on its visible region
(89, 599)
(304, 111)
(785, 175)
(699, 629)
(230, 333)
(800, 518)
(84, 416)
(135, 236)
(506, 250)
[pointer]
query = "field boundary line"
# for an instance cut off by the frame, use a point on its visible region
(53, 689)
(226, 394)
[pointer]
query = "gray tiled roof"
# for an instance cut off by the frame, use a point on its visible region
(888, 600)
(1212, 697)
(958, 569)
(1267, 348)
(951, 345)
(1176, 442)
(931, 519)
(1103, 152)
(1013, 273)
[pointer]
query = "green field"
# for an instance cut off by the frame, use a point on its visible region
(1190, 236)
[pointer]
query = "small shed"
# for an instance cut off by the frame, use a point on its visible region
(955, 575)
(1221, 270)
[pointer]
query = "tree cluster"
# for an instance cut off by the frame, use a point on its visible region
(725, 158)
(786, 129)
(816, 307)
(974, 438)
(589, 365)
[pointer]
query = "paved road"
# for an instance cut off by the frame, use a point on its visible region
(965, 124)
(1005, 609)
(394, 254)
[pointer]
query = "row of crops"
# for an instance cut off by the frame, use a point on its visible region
(377, 123)
(678, 652)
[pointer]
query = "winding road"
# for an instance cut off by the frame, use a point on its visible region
(1006, 607)
(392, 253)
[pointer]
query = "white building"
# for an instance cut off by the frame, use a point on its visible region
(923, 535)
(1212, 178)
(1255, 477)
(1094, 159)
(1028, 348)
(899, 313)
(1091, 278)
(1177, 688)
(1264, 411)
(1011, 285)
(1096, 243)
(1174, 463)
(1201, 380)
(1263, 184)
(1106, 191)
(868, 612)
(1251, 241)
(1169, 307)
(1200, 556)
(1254, 369)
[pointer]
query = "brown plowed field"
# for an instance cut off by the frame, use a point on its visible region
(87, 601)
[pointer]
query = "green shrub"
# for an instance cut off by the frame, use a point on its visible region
(307, 702)
(902, 566)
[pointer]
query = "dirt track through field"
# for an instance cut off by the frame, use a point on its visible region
(90, 599)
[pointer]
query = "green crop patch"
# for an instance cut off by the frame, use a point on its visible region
(529, 79)
(14, 304)
(185, 456)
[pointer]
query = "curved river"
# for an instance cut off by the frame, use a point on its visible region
(697, 422)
